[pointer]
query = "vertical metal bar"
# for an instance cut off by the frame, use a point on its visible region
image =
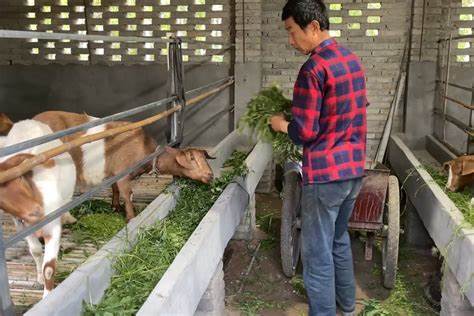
(176, 81)
(439, 76)
(86, 18)
(468, 150)
(172, 121)
(243, 32)
(422, 30)
(233, 32)
(407, 66)
(446, 86)
(448, 67)
(6, 304)
(180, 91)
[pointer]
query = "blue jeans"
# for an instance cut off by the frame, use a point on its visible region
(328, 271)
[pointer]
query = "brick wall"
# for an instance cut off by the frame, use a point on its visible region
(437, 19)
(377, 31)
(204, 25)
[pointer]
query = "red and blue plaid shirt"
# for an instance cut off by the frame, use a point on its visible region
(329, 114)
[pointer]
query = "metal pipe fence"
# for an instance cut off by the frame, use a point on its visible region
(177, 97)
(444, 95)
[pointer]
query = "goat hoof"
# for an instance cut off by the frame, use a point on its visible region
(45, 293)
(40, 278)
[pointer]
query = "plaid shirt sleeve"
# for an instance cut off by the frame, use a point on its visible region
(306, 109)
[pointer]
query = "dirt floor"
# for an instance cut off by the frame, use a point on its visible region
(264, 290)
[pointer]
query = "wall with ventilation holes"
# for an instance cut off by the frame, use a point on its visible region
(101, 78)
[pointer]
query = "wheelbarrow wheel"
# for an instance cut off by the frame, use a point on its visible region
(290, 243)
(390, 244)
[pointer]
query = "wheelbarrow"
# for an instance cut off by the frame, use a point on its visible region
(376, 212)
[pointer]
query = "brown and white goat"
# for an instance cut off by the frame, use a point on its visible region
(110, 156)
(460, 172)
(32, 196)
(5, 124)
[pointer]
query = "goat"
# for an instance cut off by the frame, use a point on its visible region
(460, 172)
(110, 156)
(5, 124)
(37, 193)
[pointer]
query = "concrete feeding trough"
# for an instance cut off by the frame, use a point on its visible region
(442, 219)
(196, 263)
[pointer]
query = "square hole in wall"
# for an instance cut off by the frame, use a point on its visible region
(353, 26)
(464, 45)
(463, 58)
(200, 15)
(373, 19)
(372, 32)
(116, 58)
(218, 58)
(149, 58)
(355, 12)
(374, 5)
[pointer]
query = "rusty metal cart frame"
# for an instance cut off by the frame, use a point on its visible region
(377, 213)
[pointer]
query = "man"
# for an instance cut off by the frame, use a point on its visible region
(329, 121)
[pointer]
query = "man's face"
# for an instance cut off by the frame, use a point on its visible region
(301, 39)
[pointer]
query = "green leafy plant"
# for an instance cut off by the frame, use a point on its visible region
(251, 305)
(98, 228)
(269, 102)
(139, 270)
(96, 222)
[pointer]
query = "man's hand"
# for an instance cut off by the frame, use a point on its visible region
(279, 123)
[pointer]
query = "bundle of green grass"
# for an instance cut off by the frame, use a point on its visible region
(269, 102)
(138, 271)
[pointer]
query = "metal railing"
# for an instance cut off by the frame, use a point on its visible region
(15, 34)
(175, 126)
(444, 95)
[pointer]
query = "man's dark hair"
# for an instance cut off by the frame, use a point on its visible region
(305, 11)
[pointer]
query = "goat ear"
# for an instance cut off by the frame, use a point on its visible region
(208, 156)
(446, 166)
(202, 150)
(183, 160)
(467, 167)
(14, 161)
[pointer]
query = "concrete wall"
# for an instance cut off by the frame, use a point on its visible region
(434, 20)
(420, 105)
(424, 97)
(104, 90)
